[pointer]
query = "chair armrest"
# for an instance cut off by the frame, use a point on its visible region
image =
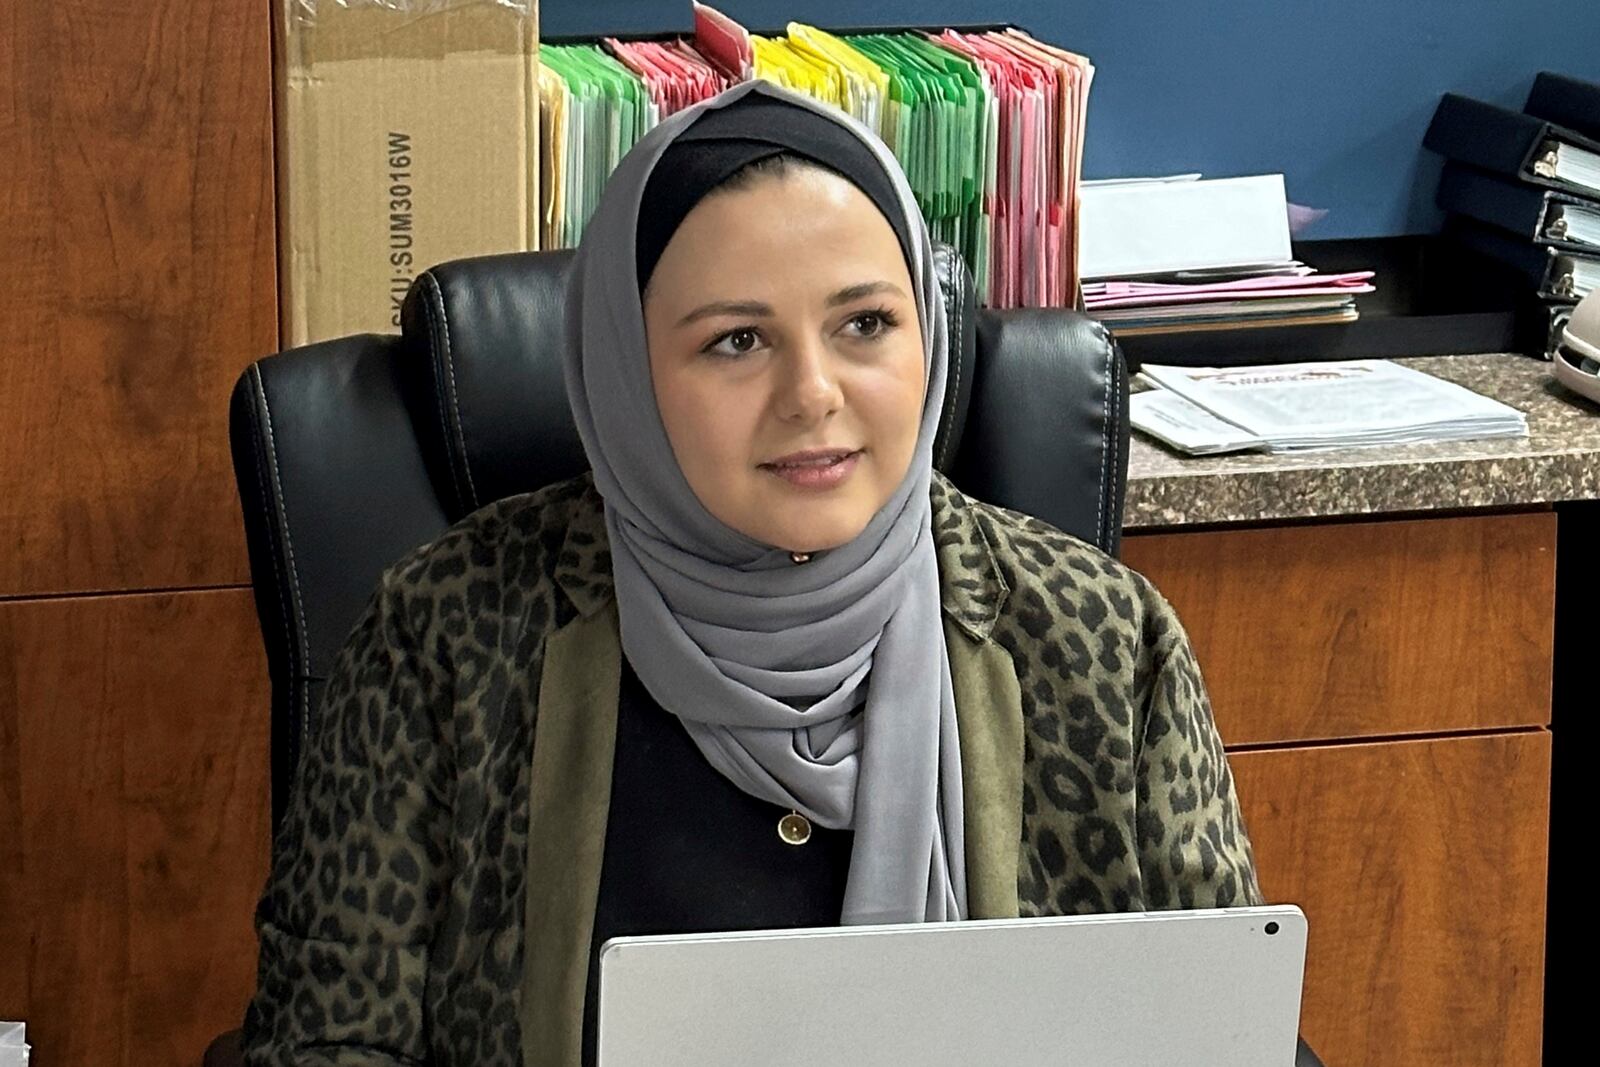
(228, 1051)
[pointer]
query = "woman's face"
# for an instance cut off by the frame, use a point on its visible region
(786, 356)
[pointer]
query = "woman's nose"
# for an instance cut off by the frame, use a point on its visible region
(808, 390)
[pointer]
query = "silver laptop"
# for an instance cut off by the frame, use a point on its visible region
(1191, 988)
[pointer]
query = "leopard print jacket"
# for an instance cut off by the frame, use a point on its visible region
(392, 926)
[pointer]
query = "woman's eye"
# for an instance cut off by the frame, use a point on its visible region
(870, 324)
(735, 343)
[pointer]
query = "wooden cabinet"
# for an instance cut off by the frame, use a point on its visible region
(1420, 866)
(1384, 689)
(137, 280)
(1366, 629)
(133, 822)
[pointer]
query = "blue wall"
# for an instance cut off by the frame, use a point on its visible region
(1335, 94)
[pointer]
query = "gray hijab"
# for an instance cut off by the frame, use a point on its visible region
(823, 687)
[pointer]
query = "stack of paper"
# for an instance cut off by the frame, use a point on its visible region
(592, 110)
(936, 127)
(674, 74)
(1182, 253)
(1313, 406)
(724, 42)
(1137, 227)
(988, 128)
(1038, 99)
(862, 84)
(1297, 295)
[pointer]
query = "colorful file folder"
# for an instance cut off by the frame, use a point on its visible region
(988, 128)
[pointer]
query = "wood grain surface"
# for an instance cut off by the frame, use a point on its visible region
(137, 279)
(1366, 629)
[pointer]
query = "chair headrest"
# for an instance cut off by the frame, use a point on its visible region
(484, 337)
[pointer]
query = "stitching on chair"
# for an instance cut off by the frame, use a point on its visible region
(303, 651)
(438, 391)
(953, 386)
(455, 404)
(270, 499)
(1114, 439)
(1105, 446)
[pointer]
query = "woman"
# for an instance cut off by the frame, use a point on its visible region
(764, 668)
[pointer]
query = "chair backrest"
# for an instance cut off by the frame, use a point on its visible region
(349, 453)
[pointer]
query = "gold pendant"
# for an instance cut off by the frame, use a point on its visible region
(794, 829)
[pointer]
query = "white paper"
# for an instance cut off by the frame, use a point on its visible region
(13, 1045)
(1578, 166)
(1329, 405)
(1582, 224)
(1585, 274)
(1102, 183)
(1127, 230)
(1189, 428)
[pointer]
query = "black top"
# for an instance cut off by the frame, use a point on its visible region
(687, 851)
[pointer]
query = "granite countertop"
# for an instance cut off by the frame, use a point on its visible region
(1559, 460)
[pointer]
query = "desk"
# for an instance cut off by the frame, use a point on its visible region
(1377, 629)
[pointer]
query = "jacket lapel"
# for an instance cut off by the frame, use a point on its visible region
(988, 705)
(569, 799)
(989, 722)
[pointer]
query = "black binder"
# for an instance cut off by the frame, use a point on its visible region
(1502, 141)
(1566, 101)
(1550, 271)
(1530, 213)
(1539, 326)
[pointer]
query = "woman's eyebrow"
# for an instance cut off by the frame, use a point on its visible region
(855, 292)
(727, 307)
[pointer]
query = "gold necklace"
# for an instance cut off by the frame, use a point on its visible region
(794, 828)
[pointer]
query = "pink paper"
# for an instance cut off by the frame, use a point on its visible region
(1309, 281)
(674, 74)
(1204, 295)
(724, 42)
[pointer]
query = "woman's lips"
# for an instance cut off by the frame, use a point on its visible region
(820, 469)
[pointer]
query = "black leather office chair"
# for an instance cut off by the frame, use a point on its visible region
(351, 452)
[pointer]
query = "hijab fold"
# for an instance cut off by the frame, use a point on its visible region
(823, 687)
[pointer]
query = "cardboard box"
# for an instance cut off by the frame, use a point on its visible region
(407, 135)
